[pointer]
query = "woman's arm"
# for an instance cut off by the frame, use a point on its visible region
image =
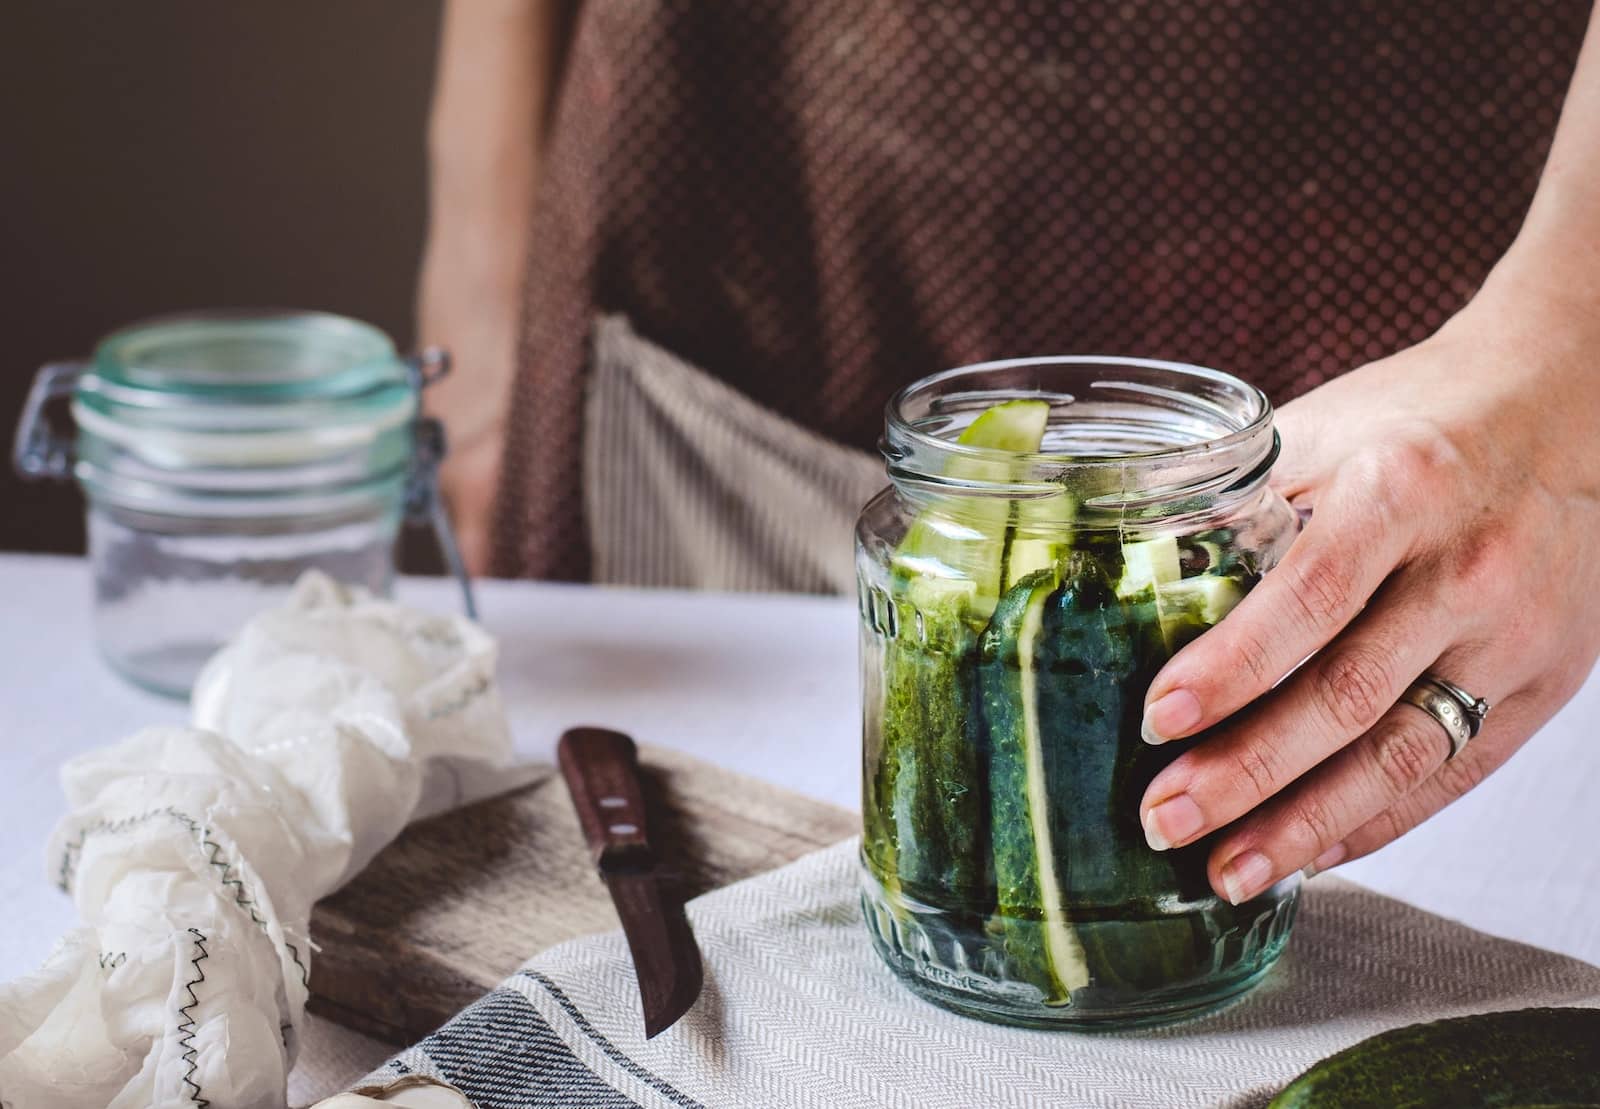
(1456, 530)
(496, 67)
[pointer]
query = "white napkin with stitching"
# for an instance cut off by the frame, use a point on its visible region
(195, 854)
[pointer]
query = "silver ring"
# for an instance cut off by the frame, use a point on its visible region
(1476, 708)
(1458, 712)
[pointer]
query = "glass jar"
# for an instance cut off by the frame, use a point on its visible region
(1021, 582)
(221, 456)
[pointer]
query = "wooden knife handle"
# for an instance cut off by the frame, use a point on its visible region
(602, 772)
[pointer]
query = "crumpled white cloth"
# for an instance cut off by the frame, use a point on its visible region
(194, 854)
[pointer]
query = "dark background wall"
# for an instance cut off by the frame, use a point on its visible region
(172, 154)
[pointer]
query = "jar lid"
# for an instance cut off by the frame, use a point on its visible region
(244, 388)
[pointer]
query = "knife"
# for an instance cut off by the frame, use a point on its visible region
(602, 772)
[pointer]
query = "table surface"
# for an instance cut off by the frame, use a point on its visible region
(762, 684)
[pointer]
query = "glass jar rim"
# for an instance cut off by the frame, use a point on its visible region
(244, 412)
(336, 355)
(1123, 431)
(255, 373)
(243, 388)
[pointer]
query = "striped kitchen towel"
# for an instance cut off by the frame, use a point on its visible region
(798, 1011)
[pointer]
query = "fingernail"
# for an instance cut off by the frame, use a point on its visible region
(1245, 875)
(1175, 820)
(1171, 716)
(1333, 856)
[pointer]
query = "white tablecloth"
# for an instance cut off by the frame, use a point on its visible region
(763, 684)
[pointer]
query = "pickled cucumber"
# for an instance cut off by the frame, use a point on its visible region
(1036, 935)
(926, 822)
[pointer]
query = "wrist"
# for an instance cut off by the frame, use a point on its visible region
(1553, 278)
(1527, 340)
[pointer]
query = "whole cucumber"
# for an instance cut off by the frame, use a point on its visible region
(1519, 1058)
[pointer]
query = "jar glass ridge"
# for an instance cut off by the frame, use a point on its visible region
(1015, 605)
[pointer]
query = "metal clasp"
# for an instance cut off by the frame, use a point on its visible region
(427, 366)
(424, 504)
(38, 452)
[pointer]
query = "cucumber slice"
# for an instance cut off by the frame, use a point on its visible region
(1202, 600)
(1038, 938)
(1148, 562)
(1038, 537)
(943, 596)
(1153, 566)
(1186, 606)
(975, 547)
(1013, 425)
(1033, 540)
(1101, 653)
(926, 813)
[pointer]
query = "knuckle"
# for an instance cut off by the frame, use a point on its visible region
(1407, 753)
(1312, 821)
(1320, 588)
(1254, 771)
(1415, 468)
(1412, 465)
(1387, 827)
(1354, 686)
(1384, 480)
(1486, 569)
(1251, 654)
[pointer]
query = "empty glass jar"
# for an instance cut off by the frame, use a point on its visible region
(1055, 529)
(222, 455)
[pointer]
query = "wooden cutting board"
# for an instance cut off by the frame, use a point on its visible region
(460, 901)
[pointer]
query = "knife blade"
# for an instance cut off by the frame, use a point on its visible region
(601, 768)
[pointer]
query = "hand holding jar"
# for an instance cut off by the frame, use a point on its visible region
(1453, 496)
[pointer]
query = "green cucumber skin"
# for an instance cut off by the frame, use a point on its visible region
(927, 820)
(1499, 1060)
(1018, 921)
(882, 755)
(1085, 658)
(1094, 649)
(1149, 874)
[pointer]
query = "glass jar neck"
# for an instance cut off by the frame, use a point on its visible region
(1126, 437)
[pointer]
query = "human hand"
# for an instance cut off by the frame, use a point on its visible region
(1456, 497)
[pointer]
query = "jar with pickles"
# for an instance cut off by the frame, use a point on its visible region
(1055, 529)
